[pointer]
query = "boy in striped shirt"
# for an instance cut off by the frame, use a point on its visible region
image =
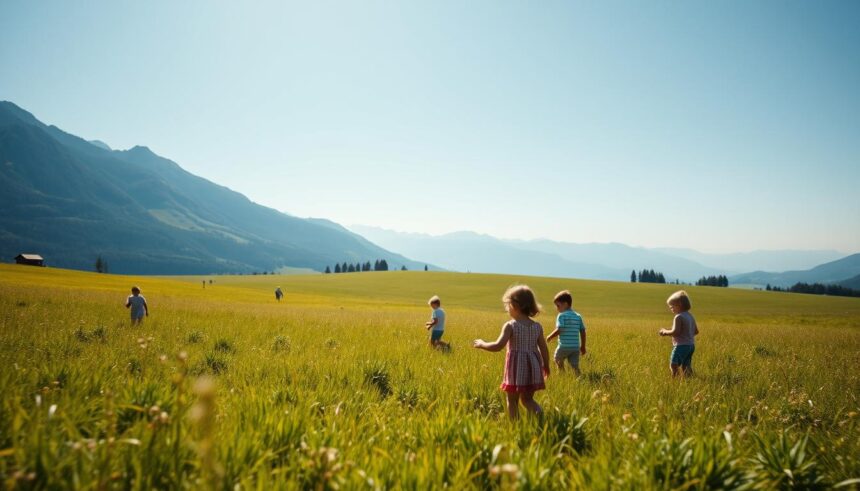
(570, 330)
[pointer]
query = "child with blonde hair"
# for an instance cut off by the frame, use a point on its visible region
(436, 324)
(527, 357)
(683, 332)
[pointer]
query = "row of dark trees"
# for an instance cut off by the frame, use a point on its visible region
(647, 276)
(378, 265)
(720, 280)
(817, 289)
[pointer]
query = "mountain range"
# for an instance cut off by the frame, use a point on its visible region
(469, 251)
(844, 271)
(71, 200)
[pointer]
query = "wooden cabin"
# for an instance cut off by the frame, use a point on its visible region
(30, 259)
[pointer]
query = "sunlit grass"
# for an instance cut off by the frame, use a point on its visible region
(336, 386)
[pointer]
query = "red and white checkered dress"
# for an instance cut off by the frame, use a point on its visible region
(523, 369)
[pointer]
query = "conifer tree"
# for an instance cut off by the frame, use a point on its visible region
(633, 276)
(337, 268)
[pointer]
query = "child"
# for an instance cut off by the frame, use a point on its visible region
(527, 358)
(683, 332)
(437, 323)
(279, 294)
(137, 304)
(570, 331)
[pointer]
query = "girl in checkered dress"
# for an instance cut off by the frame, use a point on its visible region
(527, 358)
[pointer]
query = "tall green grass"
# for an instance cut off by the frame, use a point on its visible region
(336, 387)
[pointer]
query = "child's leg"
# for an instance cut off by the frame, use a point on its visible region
(688, 364)
(513, 405)
(573, 359)
(530, 403)
(558, 358)
(675, 360)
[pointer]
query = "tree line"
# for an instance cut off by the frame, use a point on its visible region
(647, 276)
(378, 265)
(720, 280)
(817, 289)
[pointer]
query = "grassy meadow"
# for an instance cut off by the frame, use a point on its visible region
(336, 388)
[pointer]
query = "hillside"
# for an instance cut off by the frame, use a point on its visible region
(853, 283)
(832, 272)
(70, 200)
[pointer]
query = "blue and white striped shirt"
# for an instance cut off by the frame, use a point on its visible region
(569, 324)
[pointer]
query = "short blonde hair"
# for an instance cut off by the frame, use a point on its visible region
(434, 299)
(523, 298)
(681, 299)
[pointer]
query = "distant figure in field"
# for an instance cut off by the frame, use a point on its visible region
(683, 332)
(527, 358)
(570, 330)
(437, 324)
(278, 294)
(138, 306)
(204, 284)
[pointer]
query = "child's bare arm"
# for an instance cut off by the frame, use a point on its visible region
(676, 325)
(553, 334)
(127, 302)
(432, 322)
(582, 341)
(544, 355)
(146, 308)
(498, 344)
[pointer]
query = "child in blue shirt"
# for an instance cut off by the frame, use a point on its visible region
(437, 324)
(570, 330)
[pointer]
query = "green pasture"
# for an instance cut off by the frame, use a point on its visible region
(335, 387)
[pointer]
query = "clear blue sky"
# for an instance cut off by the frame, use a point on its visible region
(720, 126)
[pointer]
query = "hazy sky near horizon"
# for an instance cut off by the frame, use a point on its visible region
(719, 126)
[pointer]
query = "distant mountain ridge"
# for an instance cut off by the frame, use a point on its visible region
(853, 283)
(71, 200)
(469, 251)
(739, 262)
(839, 271)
